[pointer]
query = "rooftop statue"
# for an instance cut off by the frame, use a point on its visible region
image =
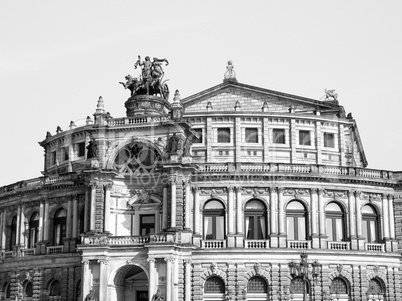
(150, 82)
(330, 93)
(230, 74)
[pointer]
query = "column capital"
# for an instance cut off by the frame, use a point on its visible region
(320, 191)
(195, 189)
(169, 259)
(104, 261)
(86, 262)
(238, 189)
(280, 189)
(314, 190)
(93, 184)
(390, 197)
(151, 260)
(108, 185)
(230, 189)
(273, 189)
(187, 261)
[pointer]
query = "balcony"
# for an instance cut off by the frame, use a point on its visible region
(27, 252)
(299, 244)
(339, 245)
(372, 247)
(138, 240)
(213, 244)
(256, 244)
(54, 250)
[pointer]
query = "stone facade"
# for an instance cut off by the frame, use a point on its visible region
(272, 202)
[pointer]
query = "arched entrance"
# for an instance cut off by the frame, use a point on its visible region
(129, 284)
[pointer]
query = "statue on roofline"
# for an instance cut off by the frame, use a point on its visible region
(150, 81)
(330, 93)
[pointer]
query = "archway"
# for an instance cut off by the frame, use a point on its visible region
(129, 284)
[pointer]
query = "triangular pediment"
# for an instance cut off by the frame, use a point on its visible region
(233, 96)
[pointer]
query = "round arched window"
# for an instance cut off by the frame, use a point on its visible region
(296, 221)
(255, 220)
(214, 220)
(335, 222)
(215, 285)
(370, 224)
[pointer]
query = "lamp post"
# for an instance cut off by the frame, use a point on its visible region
(302, 269)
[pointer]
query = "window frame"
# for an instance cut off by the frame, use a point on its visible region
(302, 140)
(296, 214)
(251, 132)
(256, 214)
(275, 137)
(223, 132)
(33, 230)
(329, 143)
(214, 214)
(199, 140)
(59, 234)
(333, 216)
(368, 218)
(147, 226)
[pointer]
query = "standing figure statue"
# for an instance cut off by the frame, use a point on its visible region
(146, 72)
(90, 296)
(92, 149)
(230, 73)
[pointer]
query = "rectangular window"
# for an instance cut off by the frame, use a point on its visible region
(329, 140)
(199, 133)
(53, 158)
(147, 224)
(304, 138)
(224, 135)
(65, 153)
(278, 136)
(81, 149)
(251, 135)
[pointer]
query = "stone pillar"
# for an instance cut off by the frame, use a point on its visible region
(23, 230)
(314, 222)
(361, 239)
(392, 223)
(106, 225)
(352, 220)
(321, 219)
(169, 279)
(239, 216)
(75, 218)
(175, 292)
(93, 186)
(266, 140)
(152, 278)
(86, 210)
(18, 230)
(165, 209)
(187, 280)
(41, 229)
(281, 218)
(231, 216)
(46, 222)
(197, 215)
(173, 203)
(3, 230)
(103, 273)
(66, 242)
(274, 231)
(237, 139)
(187, 206)
(318, 135)
(293, 140)
(86, 284)
(385, 216)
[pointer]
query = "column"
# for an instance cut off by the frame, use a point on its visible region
(358, 214)
(239, 211)
(165, 209)
(282, 229)
(22, 227)
(196, 210)
(187, 280)
(237, 139)
(68, 219)
(169, 282)
(314, 222)
(86, 278)
(86, 210)
(106, 226)
(93, 186)
(319, 142)
(175, 292)
(273, 194)
(187, 205)
(391, 216)
(103, 279)
(173, 203)
(231, 209)
(46, 221)
(75, 217)
(321, 215)
(3, 230)
(385, 216)
(293, 140)
(18, 230)
(152, 278)
(352, 225)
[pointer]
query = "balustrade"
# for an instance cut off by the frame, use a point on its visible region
(256, 244)
(338, 245)
(299, 244)
(213, 244)
(375, 247)
(54, 250)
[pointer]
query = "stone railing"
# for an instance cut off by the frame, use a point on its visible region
(256, 244)
(213, 244)
(129, 240)
(54, 250)
(37, 182)
(338, 245)
(137, 120)
(27, 252)
(299, 244)
(8, 254)
(373, 247)
(287, 168)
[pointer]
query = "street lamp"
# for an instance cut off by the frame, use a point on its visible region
(302, 269)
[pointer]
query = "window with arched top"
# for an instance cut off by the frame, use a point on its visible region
(7, 290)
(335, 221)
(28, 289)
(338, 286)
(214, 285)
(59, 227)
(13, 234)
(255, 220)
(375, 287)
(299, 286)
(296, 221)
(214, 220)
(370, 225)
(257, 285)
(33, 230)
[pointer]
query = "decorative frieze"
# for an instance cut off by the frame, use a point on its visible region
(336, 194)
(296, 192)
(213, 191)
(254, 191)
